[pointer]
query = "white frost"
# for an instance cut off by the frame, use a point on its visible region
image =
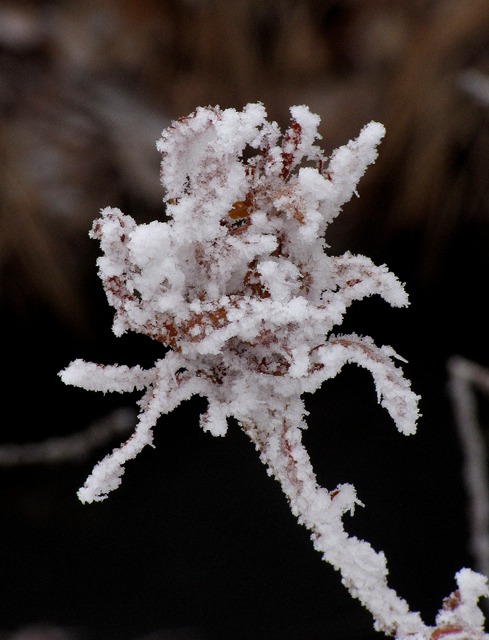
(237, 286)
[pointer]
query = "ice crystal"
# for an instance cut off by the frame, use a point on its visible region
(238, 285)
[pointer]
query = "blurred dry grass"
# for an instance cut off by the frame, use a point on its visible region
(87, 87)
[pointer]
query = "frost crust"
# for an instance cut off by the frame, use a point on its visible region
(239, 289)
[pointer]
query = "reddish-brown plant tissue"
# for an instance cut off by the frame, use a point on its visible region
(238, 285)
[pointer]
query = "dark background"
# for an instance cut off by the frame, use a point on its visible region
(198, 542)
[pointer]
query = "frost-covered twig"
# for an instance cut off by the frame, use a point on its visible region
(72, 448)
(465, 378)
(239, 288)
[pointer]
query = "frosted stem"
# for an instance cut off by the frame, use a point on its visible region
(363, 570)
(465, 377)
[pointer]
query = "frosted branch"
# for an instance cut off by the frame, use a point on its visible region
(237, 288)
(393, 390)
(465, 377)
(363, 571)
(71, 448)
(106, 378)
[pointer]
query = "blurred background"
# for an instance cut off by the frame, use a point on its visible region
(198, 543)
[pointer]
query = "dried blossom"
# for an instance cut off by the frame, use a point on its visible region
(239, 288)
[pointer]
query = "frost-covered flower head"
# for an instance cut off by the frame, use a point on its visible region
(237, 282)
(238, 287)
